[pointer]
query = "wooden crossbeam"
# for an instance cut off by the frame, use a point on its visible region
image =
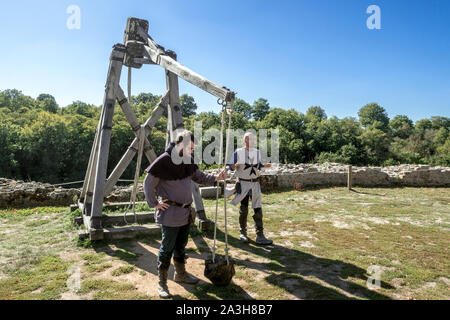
(160, 57)
(132, 149)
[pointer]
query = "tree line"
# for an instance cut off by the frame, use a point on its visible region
(41, 141)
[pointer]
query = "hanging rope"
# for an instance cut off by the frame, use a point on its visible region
(129, 85)
(141, 138)
(222, 125)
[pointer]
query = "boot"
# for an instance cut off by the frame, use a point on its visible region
(243, 213)
(180, 272)
(163, 290)
(260, 238)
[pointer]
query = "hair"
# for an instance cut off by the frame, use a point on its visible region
(182, 135)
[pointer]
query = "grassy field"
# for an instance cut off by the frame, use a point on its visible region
(325, 240)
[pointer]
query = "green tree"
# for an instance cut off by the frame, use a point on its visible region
(15, 100)
(8, 146)
(260, 109)
(422, 125)
(401, 126)
(315, 112)
(82, 108)
(47, 103)
(374, 115)
(188, 105)
(243, 107)
(375, 142)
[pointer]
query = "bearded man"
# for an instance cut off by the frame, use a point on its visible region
(167, 188)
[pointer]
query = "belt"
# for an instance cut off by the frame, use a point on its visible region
(178, 204)
(250, 180)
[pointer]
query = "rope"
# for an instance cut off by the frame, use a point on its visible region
(222, 125)
(141, 138)
(225, 181)
(129, 85)
(217, 189)
(76, 182)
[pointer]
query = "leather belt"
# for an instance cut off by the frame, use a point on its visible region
(250, 180)
(178, 204)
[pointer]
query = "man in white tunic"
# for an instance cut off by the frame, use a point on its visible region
(247, 165)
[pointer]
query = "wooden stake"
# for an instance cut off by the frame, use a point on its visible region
(349, 178)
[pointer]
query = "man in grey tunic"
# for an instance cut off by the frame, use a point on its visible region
(167, 188)
(247, 163)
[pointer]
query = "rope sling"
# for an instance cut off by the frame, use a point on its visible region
(218, 270)
(141, 138)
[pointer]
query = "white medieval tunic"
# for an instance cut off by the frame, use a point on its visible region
(250, 166)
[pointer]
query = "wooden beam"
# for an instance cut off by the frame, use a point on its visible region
(90, 183)
(164, 60)
(349, 178)
(113, 79)
(90, 162)
(175, 119)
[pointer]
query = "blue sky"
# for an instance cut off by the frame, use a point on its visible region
(293, 53)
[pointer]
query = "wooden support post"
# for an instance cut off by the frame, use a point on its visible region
(175, 122)
(132, 149)
(174, 98)
(113, 79)
(87, 200)
(88, 171)
(349, 178)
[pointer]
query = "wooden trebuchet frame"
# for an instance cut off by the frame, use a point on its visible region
(138, 48)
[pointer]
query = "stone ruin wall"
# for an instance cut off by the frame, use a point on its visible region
(30, 194)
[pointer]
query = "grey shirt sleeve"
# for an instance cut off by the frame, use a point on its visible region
(150, 183)
(203, 178)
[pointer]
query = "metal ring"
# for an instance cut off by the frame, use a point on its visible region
(221, 102)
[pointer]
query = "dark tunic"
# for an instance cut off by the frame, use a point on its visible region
(170, 181)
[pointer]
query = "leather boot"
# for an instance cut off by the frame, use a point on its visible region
(260, 238)
(163, 290)
(243, 213)
(180, 272)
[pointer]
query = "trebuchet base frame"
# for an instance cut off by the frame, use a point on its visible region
(138, 48)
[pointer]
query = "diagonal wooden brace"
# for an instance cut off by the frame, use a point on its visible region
(132, 149)
(134, 123)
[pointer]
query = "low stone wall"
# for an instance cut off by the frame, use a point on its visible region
(334, 174)
(16, 194)
(30, 194)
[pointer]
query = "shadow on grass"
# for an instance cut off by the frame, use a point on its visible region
(135, 254)
(289, 267)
